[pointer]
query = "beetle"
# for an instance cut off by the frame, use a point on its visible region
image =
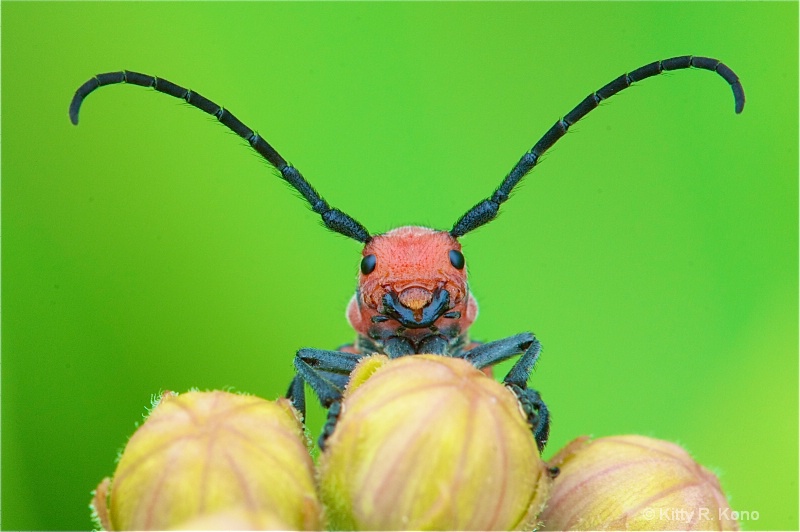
(412, 295)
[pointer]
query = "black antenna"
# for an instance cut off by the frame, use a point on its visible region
(486, 210)
(334, 219)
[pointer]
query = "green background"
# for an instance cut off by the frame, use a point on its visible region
(653, 251)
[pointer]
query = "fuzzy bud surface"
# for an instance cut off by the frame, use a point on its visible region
(633, 483)
(204, 459)
(428, 442)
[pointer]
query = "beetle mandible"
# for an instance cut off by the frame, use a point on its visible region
(412, 295)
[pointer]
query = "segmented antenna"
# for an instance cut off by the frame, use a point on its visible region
(486, 210)
(334, 219)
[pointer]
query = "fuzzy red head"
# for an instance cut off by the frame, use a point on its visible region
(413, 283)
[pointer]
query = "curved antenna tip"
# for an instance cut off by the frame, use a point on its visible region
(74, 108)
(738, 96)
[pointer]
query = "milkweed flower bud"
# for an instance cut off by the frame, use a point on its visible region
(214, 460)
(236, 518)
(633, 483)
(428, 442)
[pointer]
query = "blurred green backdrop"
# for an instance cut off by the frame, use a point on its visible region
(653, 252)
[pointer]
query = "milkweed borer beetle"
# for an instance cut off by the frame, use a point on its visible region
(412, 294)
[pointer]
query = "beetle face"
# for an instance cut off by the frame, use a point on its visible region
(412, 283)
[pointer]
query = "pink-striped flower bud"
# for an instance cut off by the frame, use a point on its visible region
(427, 442)
(633, 483)
(236, 518)
(213, 460)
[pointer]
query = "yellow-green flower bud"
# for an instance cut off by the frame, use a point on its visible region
(237, 518)
(216, 458)
(427, 442)
(633, 483)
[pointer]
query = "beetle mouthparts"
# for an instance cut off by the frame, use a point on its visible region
(422, 316)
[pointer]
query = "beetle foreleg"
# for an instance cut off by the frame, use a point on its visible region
(330, 424)
(327, 372)
(536, 412)
(297, 395)
(491, 353)
(517, 379)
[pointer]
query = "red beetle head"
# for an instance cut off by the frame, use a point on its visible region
(412, 282)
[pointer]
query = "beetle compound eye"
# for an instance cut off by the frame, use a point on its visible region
(368, 264)
(456, 259)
